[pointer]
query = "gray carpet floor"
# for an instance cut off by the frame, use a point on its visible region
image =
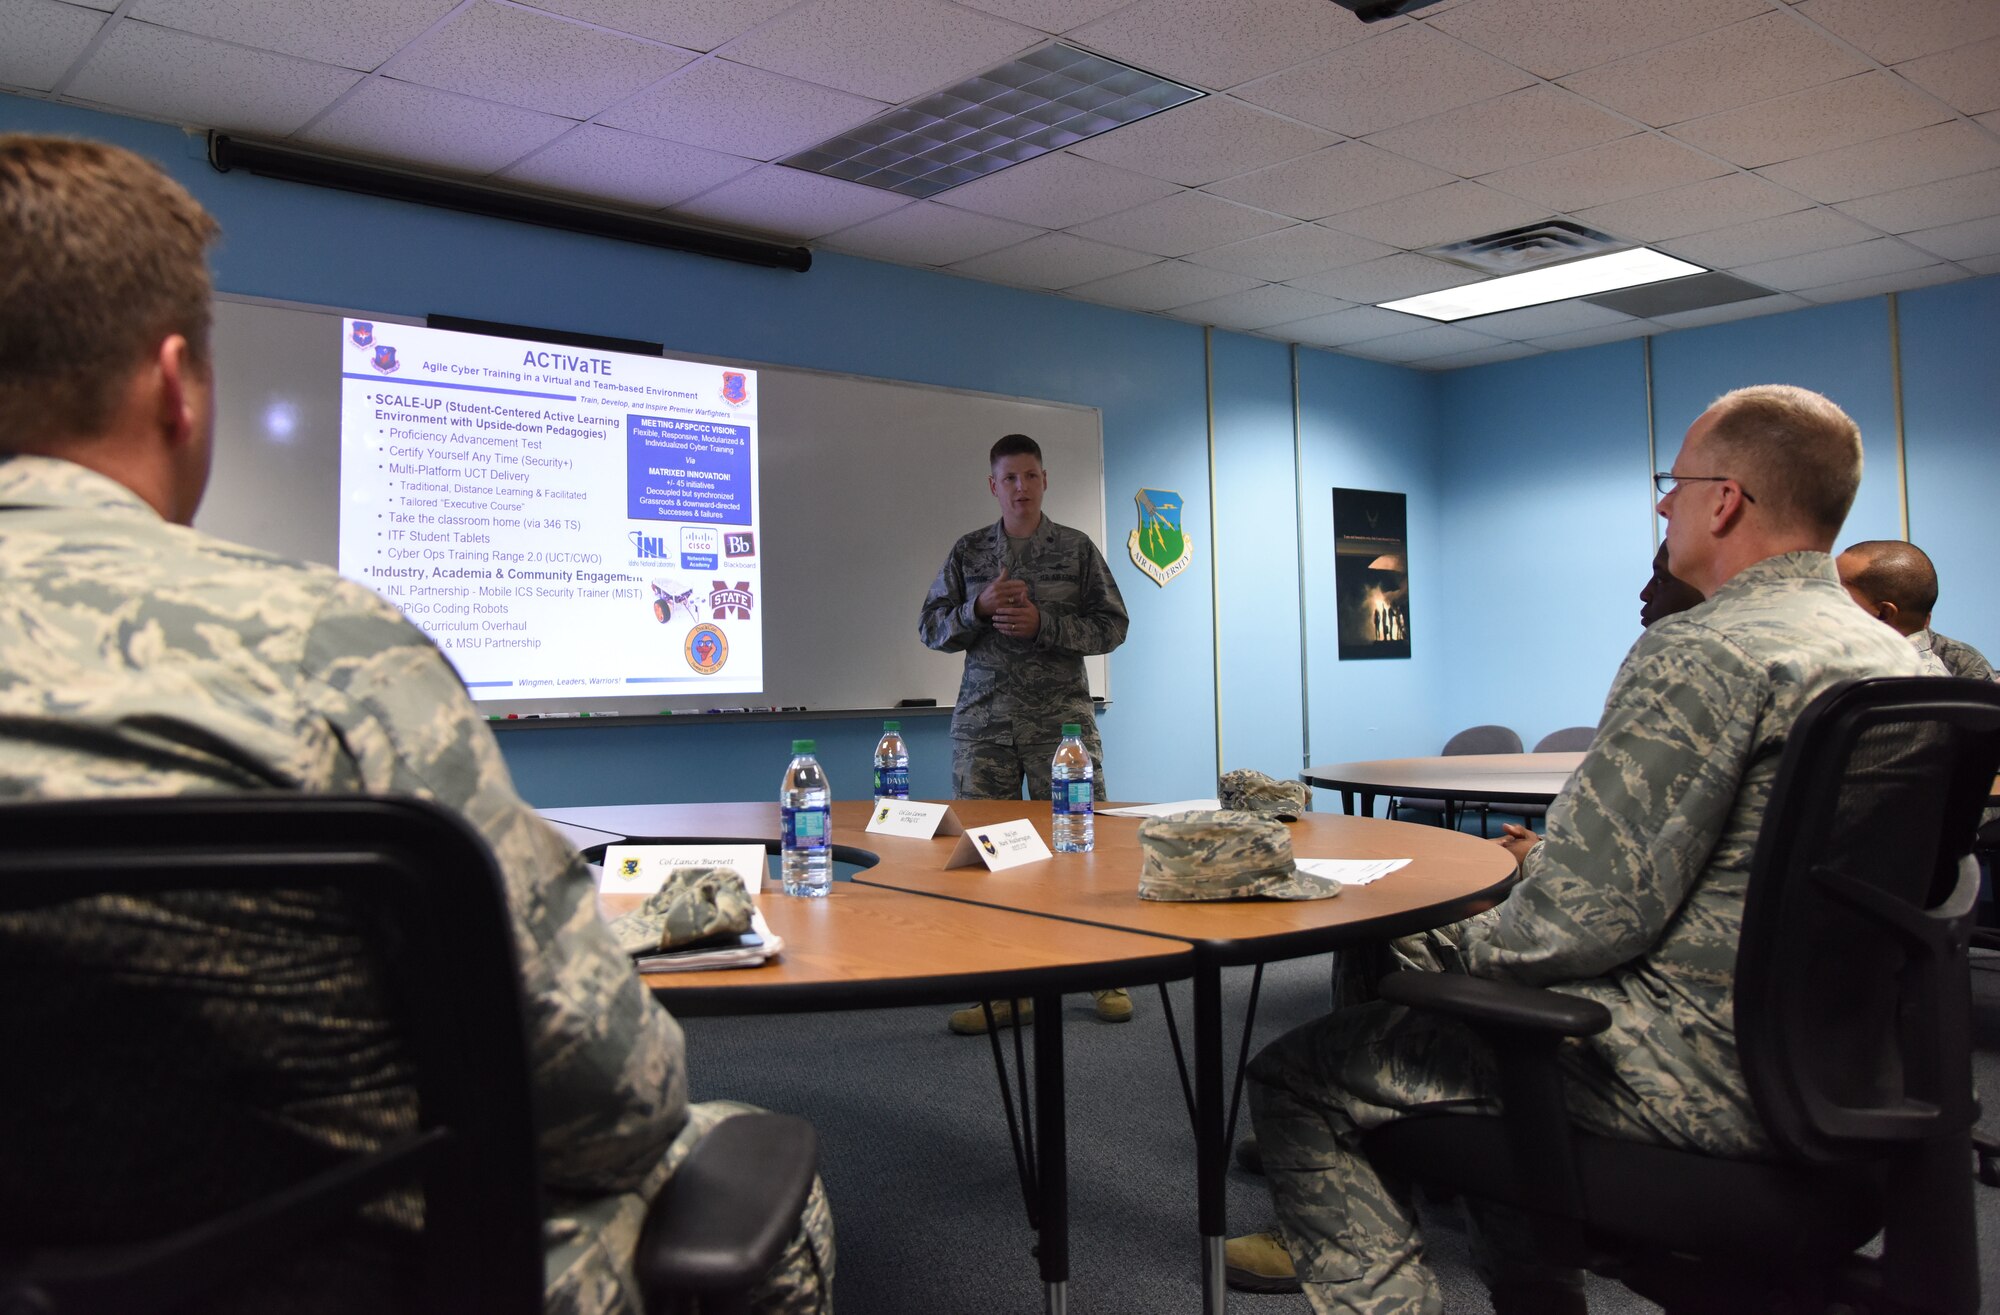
(928, 1211)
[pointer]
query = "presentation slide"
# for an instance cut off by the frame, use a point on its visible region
(565, 522)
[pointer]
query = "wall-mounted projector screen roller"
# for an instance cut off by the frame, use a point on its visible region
(592, 531)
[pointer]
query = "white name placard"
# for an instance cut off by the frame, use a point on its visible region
(643, 869)
(919, 821)
(1001, 846)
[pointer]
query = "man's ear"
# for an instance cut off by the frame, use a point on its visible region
(176, 373)
(1886, 611)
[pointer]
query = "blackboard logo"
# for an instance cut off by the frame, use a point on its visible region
(706, 649)
(739, 543)
(384, 359)
(728, 602)
(363, 333)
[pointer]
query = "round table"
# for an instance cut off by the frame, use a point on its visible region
(1501, 778)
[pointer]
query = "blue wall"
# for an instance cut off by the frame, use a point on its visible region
(1530, 513)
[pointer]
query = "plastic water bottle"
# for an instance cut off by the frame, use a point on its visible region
(892, 763)
(807, 858)
(1070, 773)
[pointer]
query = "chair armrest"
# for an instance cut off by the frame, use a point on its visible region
(1484, 1003)
(730, 1208)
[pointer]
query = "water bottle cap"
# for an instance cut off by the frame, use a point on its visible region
(803, 746)
(892, 725)
(1071, 728)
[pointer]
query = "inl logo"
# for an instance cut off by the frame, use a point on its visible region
(647, 545)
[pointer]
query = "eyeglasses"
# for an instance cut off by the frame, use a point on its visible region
(1665, 480)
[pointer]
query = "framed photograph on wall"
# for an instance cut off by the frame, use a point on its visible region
(1371, 573)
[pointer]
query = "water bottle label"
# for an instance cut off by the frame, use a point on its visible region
(805, 828)
(892, 783)
(1079, 797)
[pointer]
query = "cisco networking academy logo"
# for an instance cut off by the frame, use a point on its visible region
(735, 387)
(706, 650)
(1159, 547)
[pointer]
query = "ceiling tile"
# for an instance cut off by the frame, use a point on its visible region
(1521, 126)
(1552, 37)
(1902, 281)
(1628, 329)
(1695, 208)
(1541, 321)
(1506, 351)
(1438, 340)
(1187, 221)
(1767, 239)
(514, 55)
(1856, 109)
(1053, 260)
(1984, 265)
(419, 125)
(1882, 255)
(789, 203)
(1204, 140)
(1732, 310)
(689, 24)
(1943, 150)
(626, 167)
(1990, 122)
(1630, 166)
(1402, 75)
(1292, 253)
(1260, 308)
(889, 50)
(1972, 240)
(742, 111)
(930, 234)
(1220, 43)
(1400, 275)
(40, 39)
(1766, 56)
(354, 34)
(1052, 16)
(1355, 324)
(1930, 205)
(1895, 30)
(1967, 77)
(1443, 214)
(1343, 177)
(1056, 191)
(172, 75)
(1161, 286)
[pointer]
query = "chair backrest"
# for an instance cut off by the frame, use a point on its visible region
(1567, 740)
(1852, 988)
(167, 971)
(1483, 739)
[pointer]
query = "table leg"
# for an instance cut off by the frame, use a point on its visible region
(1368, 803)
(1347, 802)
(1211, 1149)
(1052, 1154)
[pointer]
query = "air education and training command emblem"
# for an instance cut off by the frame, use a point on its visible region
(363, 333)
(706, 649)
(1159, 547)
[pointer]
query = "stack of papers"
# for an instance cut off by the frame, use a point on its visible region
(743, 950)
(1351, 871)
(1162, 810)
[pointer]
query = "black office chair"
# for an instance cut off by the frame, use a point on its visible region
(146, 1161)
(1473, 739)
(1852, 1003)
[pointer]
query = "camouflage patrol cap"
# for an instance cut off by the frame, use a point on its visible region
(1254, 792)
(1222, 855)
(694, 905)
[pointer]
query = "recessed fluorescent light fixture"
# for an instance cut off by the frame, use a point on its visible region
(1049, 98)
(1574, 278)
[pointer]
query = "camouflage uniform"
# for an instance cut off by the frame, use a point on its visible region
(145, 658)
(1634, 899)
(1928, 662)
(1959, 657)
(1017, 693)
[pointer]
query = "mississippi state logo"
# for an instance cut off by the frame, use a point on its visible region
(384, 359)
(735, 387)
(363, 333)
(1159, 547)
(728, 602)
(706, 650)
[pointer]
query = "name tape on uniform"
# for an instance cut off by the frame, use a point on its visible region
(643, 869)
(918, 821)
(1001, 846)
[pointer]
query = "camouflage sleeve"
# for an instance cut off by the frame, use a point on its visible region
(947, 623)
(606, 1061)
(1098, 621)
(1632, 831)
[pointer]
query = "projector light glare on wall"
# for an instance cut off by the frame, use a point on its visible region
(1575, 278)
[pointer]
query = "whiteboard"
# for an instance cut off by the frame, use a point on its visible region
(866, 483)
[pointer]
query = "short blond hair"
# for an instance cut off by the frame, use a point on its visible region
(101, 257)
(1797, 452)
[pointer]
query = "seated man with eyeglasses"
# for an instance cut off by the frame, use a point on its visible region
(1634, 898)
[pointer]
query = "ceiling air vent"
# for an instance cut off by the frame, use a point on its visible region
(1519, 249)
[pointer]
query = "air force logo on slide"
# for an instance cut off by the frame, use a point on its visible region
(735, 387)
(384, 359)
(363, 333)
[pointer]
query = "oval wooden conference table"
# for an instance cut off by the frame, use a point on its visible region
(1068, 900)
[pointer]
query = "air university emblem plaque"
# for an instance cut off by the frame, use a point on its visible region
(1159, 547)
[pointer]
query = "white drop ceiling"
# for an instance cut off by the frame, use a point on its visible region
(1826, 149)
